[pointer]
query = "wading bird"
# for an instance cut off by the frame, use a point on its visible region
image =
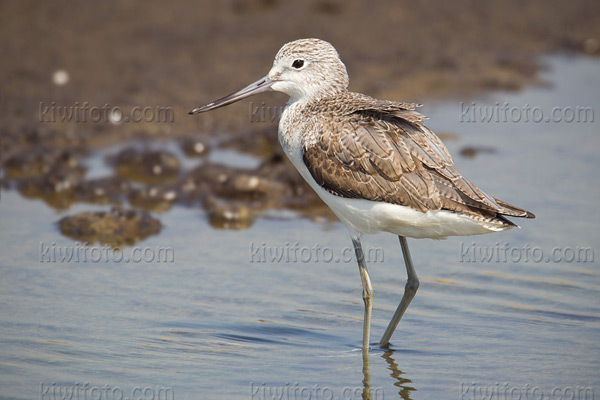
(371, 161)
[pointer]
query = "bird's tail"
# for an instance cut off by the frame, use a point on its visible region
(512, 211)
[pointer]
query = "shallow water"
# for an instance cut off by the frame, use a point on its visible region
(226, 320)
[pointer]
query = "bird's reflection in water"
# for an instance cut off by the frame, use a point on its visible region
(366, 394)
(400, 382)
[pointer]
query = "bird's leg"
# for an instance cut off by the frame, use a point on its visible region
(412, 284)
(367, 290)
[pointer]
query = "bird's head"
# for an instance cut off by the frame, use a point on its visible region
(303, 69)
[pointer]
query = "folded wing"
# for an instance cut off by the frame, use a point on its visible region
(381, 151)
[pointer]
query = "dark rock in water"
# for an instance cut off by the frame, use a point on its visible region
(103, 190)
(39, 160)
(153, 198)
(116, 227)
(281, 170)
(56, 185)
(228, 214)
(194, 147)
(63, 177)
(472, 151)
(236, 183)
(190, 191)
(215, 176)
(252, 185)
(234, 197)
(147, 167)
(261, 143)
(36, 188)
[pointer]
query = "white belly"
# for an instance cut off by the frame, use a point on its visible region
(366, 216)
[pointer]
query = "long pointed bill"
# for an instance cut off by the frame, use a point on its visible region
(261, 85)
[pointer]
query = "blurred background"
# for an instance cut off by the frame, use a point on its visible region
(96, 147)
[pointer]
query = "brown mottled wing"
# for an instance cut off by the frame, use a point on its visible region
(388, 155)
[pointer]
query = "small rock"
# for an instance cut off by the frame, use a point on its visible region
(116, 227)
(228, 215)
(472, 151)
(153, 198)
(149, 167)
(60, 77)
(193, 147)
(103, 190)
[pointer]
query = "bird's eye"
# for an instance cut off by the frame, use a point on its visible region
(298, 64)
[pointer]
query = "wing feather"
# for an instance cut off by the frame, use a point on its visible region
(380, 151)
